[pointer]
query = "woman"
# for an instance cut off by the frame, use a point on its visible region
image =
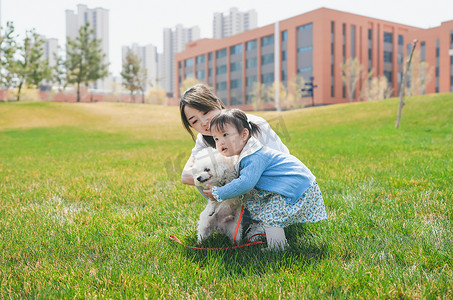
(198, 106)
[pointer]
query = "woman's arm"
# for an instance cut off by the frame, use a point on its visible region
(186, 176)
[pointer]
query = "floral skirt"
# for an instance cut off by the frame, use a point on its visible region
(273, 209)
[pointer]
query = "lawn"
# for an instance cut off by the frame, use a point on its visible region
(89, 194)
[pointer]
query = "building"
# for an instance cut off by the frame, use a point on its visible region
(51, 51)
(98, 18)
(148, 61)
(314, 44)
(235, 22)
(175, 41)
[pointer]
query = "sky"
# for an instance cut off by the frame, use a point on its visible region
(142, 21)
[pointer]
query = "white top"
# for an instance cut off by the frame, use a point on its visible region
(267, 137)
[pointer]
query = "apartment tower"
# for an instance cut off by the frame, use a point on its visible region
(175, 41)
(234, 22)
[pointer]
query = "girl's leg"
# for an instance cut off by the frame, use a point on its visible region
(276, 239)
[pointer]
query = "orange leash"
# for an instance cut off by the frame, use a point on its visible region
(175, 239)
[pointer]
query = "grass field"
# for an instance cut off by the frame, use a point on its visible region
(89, 194)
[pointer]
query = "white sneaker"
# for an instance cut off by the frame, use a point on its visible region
(255, 232)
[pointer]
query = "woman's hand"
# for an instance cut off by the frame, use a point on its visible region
(208, 193)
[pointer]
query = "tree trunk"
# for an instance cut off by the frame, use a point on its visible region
(18, 92)
(78, 92)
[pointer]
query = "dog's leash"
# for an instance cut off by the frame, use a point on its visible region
(175, 239)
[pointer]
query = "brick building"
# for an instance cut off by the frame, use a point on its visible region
(314, 44)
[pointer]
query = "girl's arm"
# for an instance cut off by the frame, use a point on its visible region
(252, 169)
(186, 176)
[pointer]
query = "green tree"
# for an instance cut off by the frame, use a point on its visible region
(8, 48)
(30, 67)
(131, 73)
(84, 59)
(59, 71)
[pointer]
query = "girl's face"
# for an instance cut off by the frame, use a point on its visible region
(229, 141)
(200, 120)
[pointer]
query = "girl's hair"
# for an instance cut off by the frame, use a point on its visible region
(237, 118)
(200, 98)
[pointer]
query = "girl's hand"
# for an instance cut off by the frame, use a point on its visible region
(208, 193)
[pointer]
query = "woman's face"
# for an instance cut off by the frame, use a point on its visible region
(200, 120)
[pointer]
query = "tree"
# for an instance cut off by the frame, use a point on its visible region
(58, 76)
(30, 68)
(157, 96)
(351, 73)
(142, 81)
(8, 48)
(131, 73)
(376, 88)
(188, 83)
(84, 59)
(419, 75)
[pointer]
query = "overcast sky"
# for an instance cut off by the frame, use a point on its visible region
(142, 21)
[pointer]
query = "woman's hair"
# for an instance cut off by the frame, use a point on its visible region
(200, 98)
(237, 118)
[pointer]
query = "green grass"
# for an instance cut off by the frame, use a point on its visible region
(89, 194)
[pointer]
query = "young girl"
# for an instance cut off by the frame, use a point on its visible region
(198, 105)
(284, 191)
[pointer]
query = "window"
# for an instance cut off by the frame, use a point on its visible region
(235, 84)
(201, 59)
(400, 40)
(200, 74)
(284, 55)
(284, 36)
(307, 26)
(236, 49)
(251, 63)
(236, 66)
(221, 69)
(221, 53)
(267, 78)
(388, 37)
(423, 51)
(303, 70)
(284, 75)
(389, 75)
(267, 40)
(251, 45)
(305, 49)
(221, 86)
(189, 75)
(267, 59)
(210, 72)
(189, 62)
(388, 55)
(249, 81)
(210, 56)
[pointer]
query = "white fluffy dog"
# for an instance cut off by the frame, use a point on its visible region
(210, 167)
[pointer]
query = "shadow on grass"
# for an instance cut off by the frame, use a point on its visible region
(304, 249)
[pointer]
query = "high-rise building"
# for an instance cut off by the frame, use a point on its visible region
(315, 45)
(148, 60)
(50, 50)
(98, 18)
(235, 22)
(175, 41)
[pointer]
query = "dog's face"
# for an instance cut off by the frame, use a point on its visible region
(210, 167)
